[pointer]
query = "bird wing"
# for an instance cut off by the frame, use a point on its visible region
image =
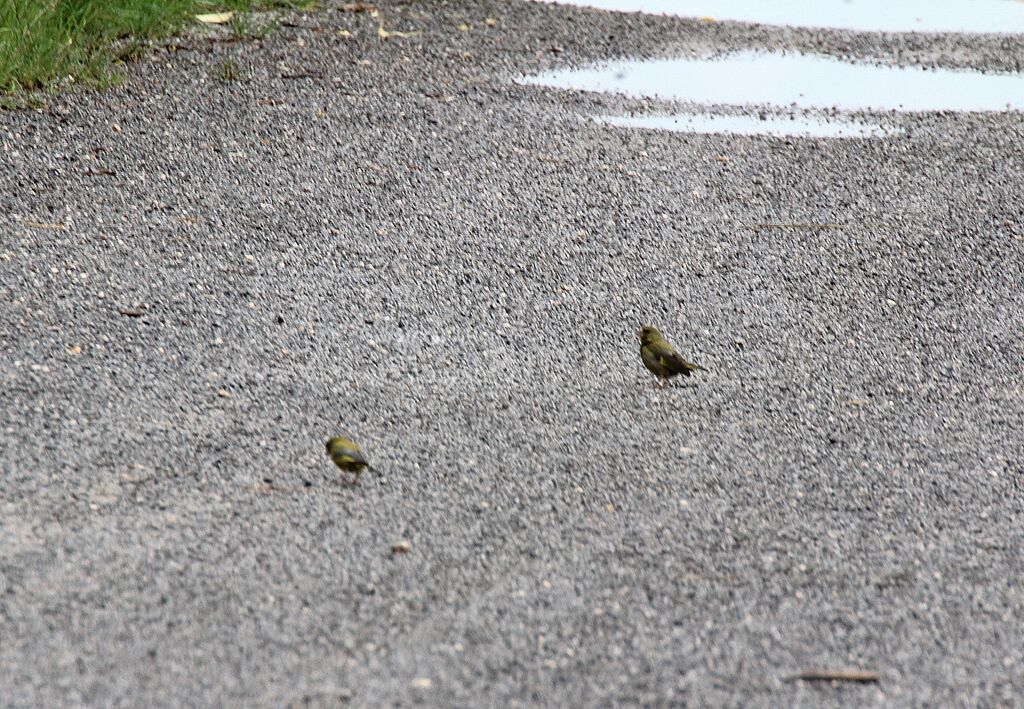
(673, 361)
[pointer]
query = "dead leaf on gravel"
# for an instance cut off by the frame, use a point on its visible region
(857, 402)
(75, 350)
(43, 225)
(224, 393)
(215, 18)
(344, 33)
(463, 27)
(491, 22)
(402, 547)
(387, 34)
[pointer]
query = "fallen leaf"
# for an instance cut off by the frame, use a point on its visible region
(402, 547)
(75, 349)
(609, 507)
(215, 18)
(421, 683)
(707, 19)
(463, 27)
(386, 34)
(491, 22)
(344, 33)
(858, 402)
(224, 393)
(42, 225)
(722, 158)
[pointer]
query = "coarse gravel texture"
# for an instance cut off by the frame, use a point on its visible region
(391, 239)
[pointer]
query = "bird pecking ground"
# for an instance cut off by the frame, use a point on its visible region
(252, 246)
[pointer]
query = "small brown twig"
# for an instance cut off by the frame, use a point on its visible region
(796, 225)
(842, 675)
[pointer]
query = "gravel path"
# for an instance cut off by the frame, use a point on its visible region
(388, 238)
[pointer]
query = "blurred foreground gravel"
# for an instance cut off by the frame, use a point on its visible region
(390, 239)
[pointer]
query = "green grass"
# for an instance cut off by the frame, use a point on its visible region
(228, 70)
(42, 42)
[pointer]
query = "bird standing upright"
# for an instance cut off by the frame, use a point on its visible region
(347, 456)
(661, 357)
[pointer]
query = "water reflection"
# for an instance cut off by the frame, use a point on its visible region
(1001, 16)
(795, 126)
(796, 81)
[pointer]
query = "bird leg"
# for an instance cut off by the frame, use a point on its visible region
(661, 384)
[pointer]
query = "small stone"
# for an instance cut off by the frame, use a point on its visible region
(421, 683)
(402, 547)
(223, 393)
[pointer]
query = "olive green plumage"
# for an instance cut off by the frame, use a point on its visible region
(346, 455)
(661, 357)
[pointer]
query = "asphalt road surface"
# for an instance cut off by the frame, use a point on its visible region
(252, 245)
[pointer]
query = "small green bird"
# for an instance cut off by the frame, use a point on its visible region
(661, 357)
(347, 456)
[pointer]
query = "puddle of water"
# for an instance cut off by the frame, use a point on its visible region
(798, 126)
(987, 16)
(797, 81)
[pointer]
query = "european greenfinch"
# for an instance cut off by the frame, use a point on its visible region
(661, 357)
(346, 455)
